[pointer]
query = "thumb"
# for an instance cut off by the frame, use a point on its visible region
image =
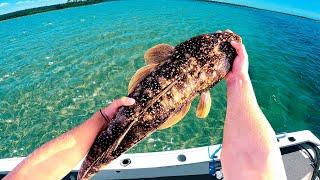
(112, 109)
(240, 48)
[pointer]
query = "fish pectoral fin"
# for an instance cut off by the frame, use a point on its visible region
(158, 53)
(204, 105)
(176, 117)
(139, 75)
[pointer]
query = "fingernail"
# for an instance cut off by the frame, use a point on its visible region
(131, 101)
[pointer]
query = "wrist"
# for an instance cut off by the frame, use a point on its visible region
(99, 120)
(236, 79)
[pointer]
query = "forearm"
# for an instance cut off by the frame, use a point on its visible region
(57, 157)
(244, 117)
(249, 142)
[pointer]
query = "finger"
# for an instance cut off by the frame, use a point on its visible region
(126, 101)
(112, 109)
(240, 48)
(228, 30)
(243, 51)
(236, 45)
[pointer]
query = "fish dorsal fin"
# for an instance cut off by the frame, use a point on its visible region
(176, 117)
(204, 105)
(139, 75)
(158, 53)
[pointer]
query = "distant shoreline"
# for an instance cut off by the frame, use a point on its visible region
(240, 5)
(42, 9)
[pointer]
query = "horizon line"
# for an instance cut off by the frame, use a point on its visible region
(209, 1)
(258, 8)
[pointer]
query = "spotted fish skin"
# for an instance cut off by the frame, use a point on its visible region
(195, 66)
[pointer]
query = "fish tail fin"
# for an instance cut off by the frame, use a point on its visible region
(87, 169)
(98, 157)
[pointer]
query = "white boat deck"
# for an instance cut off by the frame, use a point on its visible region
(183, 162)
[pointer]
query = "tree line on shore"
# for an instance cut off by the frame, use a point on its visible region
(68, 4)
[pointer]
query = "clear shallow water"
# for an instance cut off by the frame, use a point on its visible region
(57, 68)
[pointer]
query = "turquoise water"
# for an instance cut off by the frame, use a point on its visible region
(58, 68)
(310, 10)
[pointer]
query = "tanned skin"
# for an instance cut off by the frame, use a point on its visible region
(58, 157)
(249, 149)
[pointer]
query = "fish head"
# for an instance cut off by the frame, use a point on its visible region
(211, 54)
(207, 56)
(221, 54)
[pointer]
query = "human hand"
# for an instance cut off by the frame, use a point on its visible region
(247, 129)
(112, 109)
(107, 113)
(240, 65)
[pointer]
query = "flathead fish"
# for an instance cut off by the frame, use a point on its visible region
(164, 90)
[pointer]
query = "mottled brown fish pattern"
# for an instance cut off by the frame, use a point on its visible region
(195, 66)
